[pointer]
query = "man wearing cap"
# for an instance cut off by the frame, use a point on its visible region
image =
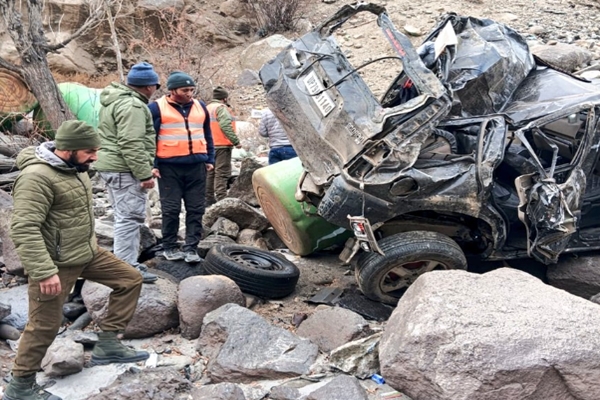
(53, 231)
(222, 126)
(184, 154)
(126, 157)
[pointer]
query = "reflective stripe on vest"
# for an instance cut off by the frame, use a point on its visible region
(219, 138)
(178, 136)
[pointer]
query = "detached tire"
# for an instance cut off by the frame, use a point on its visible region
(255, 271)
(408, 255)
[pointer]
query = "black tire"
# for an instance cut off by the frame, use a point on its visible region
(258, 272)
(408, 254)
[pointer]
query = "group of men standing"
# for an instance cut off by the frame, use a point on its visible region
(179, 140)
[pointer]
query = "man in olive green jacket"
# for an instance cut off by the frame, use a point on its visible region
(126, 158)
(53, 231)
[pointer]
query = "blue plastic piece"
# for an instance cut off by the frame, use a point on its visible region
(378, 378)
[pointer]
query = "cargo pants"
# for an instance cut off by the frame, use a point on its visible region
(128, 200)
(216, 180)
(46, 311)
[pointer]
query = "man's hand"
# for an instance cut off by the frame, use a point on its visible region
(50, 286)
(156, 173)
(209, 167)
(147, 184)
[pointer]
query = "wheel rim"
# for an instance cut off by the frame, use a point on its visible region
(253, 260)
(398, 278)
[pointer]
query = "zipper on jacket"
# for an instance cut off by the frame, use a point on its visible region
(91, 211)
(58, 238)
(187, 128)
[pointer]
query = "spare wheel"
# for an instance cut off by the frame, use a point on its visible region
(255, 271)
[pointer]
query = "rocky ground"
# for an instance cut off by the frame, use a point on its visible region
(542, 22)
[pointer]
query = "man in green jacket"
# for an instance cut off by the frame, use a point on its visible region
(126, 158)
(53, 231)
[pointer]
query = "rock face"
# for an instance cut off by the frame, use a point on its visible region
(501, 335)
(156, 310)
(243, 347)
(200, 295)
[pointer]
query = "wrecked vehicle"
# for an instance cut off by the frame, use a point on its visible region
(477, 148)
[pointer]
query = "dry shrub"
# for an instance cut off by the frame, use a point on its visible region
(170, 44)
(272, 16)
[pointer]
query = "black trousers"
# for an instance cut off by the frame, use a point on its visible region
(185, 182)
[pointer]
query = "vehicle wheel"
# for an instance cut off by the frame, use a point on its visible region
(408, 255)
(255, 271)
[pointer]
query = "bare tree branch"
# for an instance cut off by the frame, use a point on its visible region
(9, 66)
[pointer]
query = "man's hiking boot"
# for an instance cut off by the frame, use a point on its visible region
(173, 255)
(192, 257)
(147, 277)
(26, 388)
(110, 350)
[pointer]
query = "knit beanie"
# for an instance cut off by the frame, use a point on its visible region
(179, 79)
(219, 93)
(76, 135)
(142, 74)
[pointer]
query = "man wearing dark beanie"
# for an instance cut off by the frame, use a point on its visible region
(184, 154)
(52, 228)
(126, 157)
(222, 125)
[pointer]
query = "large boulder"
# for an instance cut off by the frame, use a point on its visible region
(238, 211)
(156, 310)
(242, 187)
(199, 295)
(501, 335)
(243, 347)
(258, 53)
(63, 357)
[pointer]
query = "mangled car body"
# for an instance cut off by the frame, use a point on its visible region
(477, 148)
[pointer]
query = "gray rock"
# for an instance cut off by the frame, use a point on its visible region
(258, 53)
(18, 299)
(220, 391)
(250, 237)
(577, 275)
(243, 347)
(200, 295)
(225, 227)
(9, 332)
(156, 310)
(358, 358)
(282, 392)
(242, 187)
(162, 383)
(238, 211)
(564, 56)
(63, 357)
(206, 244)
(332, 327)
(4, 310)
(248, 78)
(12, 262)
(501, 335)
(340, 388)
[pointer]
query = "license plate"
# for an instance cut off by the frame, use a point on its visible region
(323, 100)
